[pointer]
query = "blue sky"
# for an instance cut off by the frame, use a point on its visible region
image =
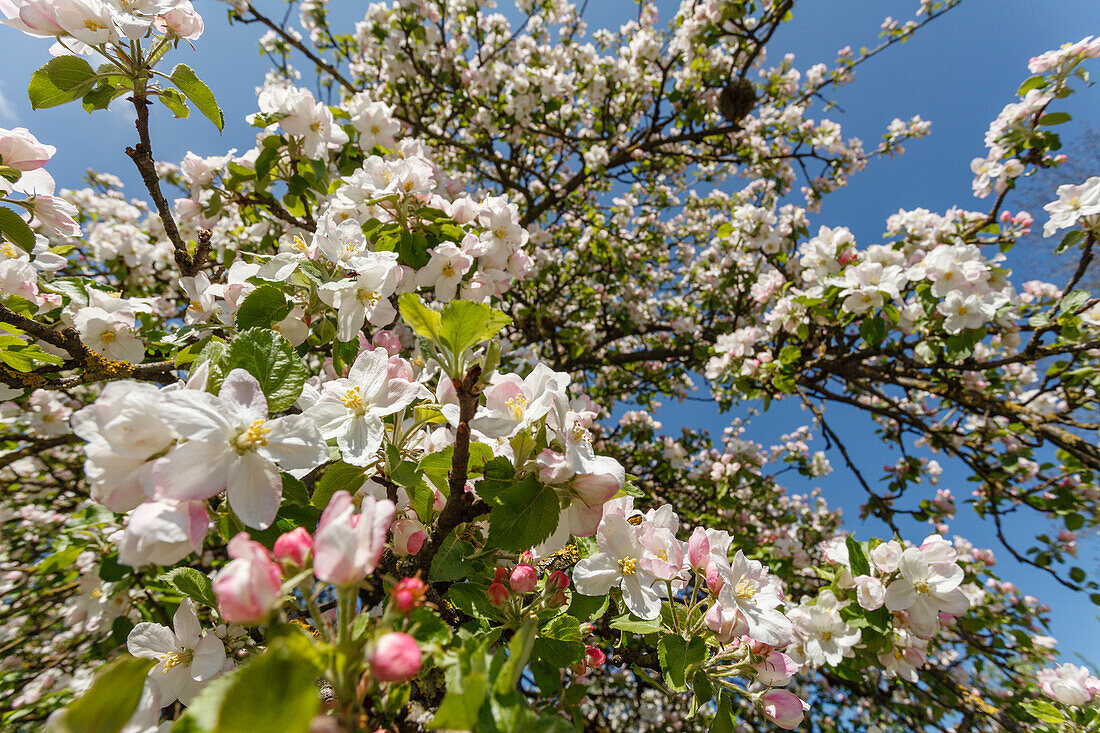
(958, 73)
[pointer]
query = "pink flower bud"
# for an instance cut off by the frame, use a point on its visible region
(408, 594)
(523, 579)
(500, 575)
(292, 548)
(498, 594)
(394, 658)
(389, 341)
(699, 549)
(783, 708)
(594, 657)
(347, 546)
(714, 578)
(182, 20)
(250, 586)
(777, 669)
(557, 581)
(408, 536)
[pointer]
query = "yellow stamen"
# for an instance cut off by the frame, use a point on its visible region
(353, 400)
(367, 297)
(746, 588)
(627, 564)
(516, 406)
(254, 436)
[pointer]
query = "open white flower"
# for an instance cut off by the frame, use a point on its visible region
(110, 334)
(619, 563)
(924, 590)
(745, 586)
(365, 298)
(823, 636)
(351, 410)
(186, 658)
(232, 445)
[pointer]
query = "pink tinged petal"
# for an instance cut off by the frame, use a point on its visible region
(581, 519)
(193, 470)
(186, 624)
(294, 443)
(241, 393)
(209, 658)
(374, 524)
(254, 490)
(150, 640)
(597, 574)
(900, 595)
(382, 314)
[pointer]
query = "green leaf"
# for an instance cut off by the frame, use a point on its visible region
(265, 161)
(723, 719)
(214, 352)
(200, 95)
(425, 322)
(559, 641)
(857, 558)
(465, 324)
(451, 561)
(338, 476)
(275, 691)
(111, 700)
(437, 466)
(102, 96)
(174, 101)
(270, 358)
(412, 249)
(1055, 118)
(193, 584)
(677, 655)
(526, 515)
(264, 306)
(873, 330)
(1074, 521)
(635, 625)
(61, 80)
(15, 230)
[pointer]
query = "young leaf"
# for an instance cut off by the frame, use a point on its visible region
(422, 320)
(193, 584)
(200, 95)
(465, 324)
(111, 700)
(61, 80)
(15, 230)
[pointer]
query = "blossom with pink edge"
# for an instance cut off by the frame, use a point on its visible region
(249, 587)
(1069, 684)
(347, 546)
(783, 707)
